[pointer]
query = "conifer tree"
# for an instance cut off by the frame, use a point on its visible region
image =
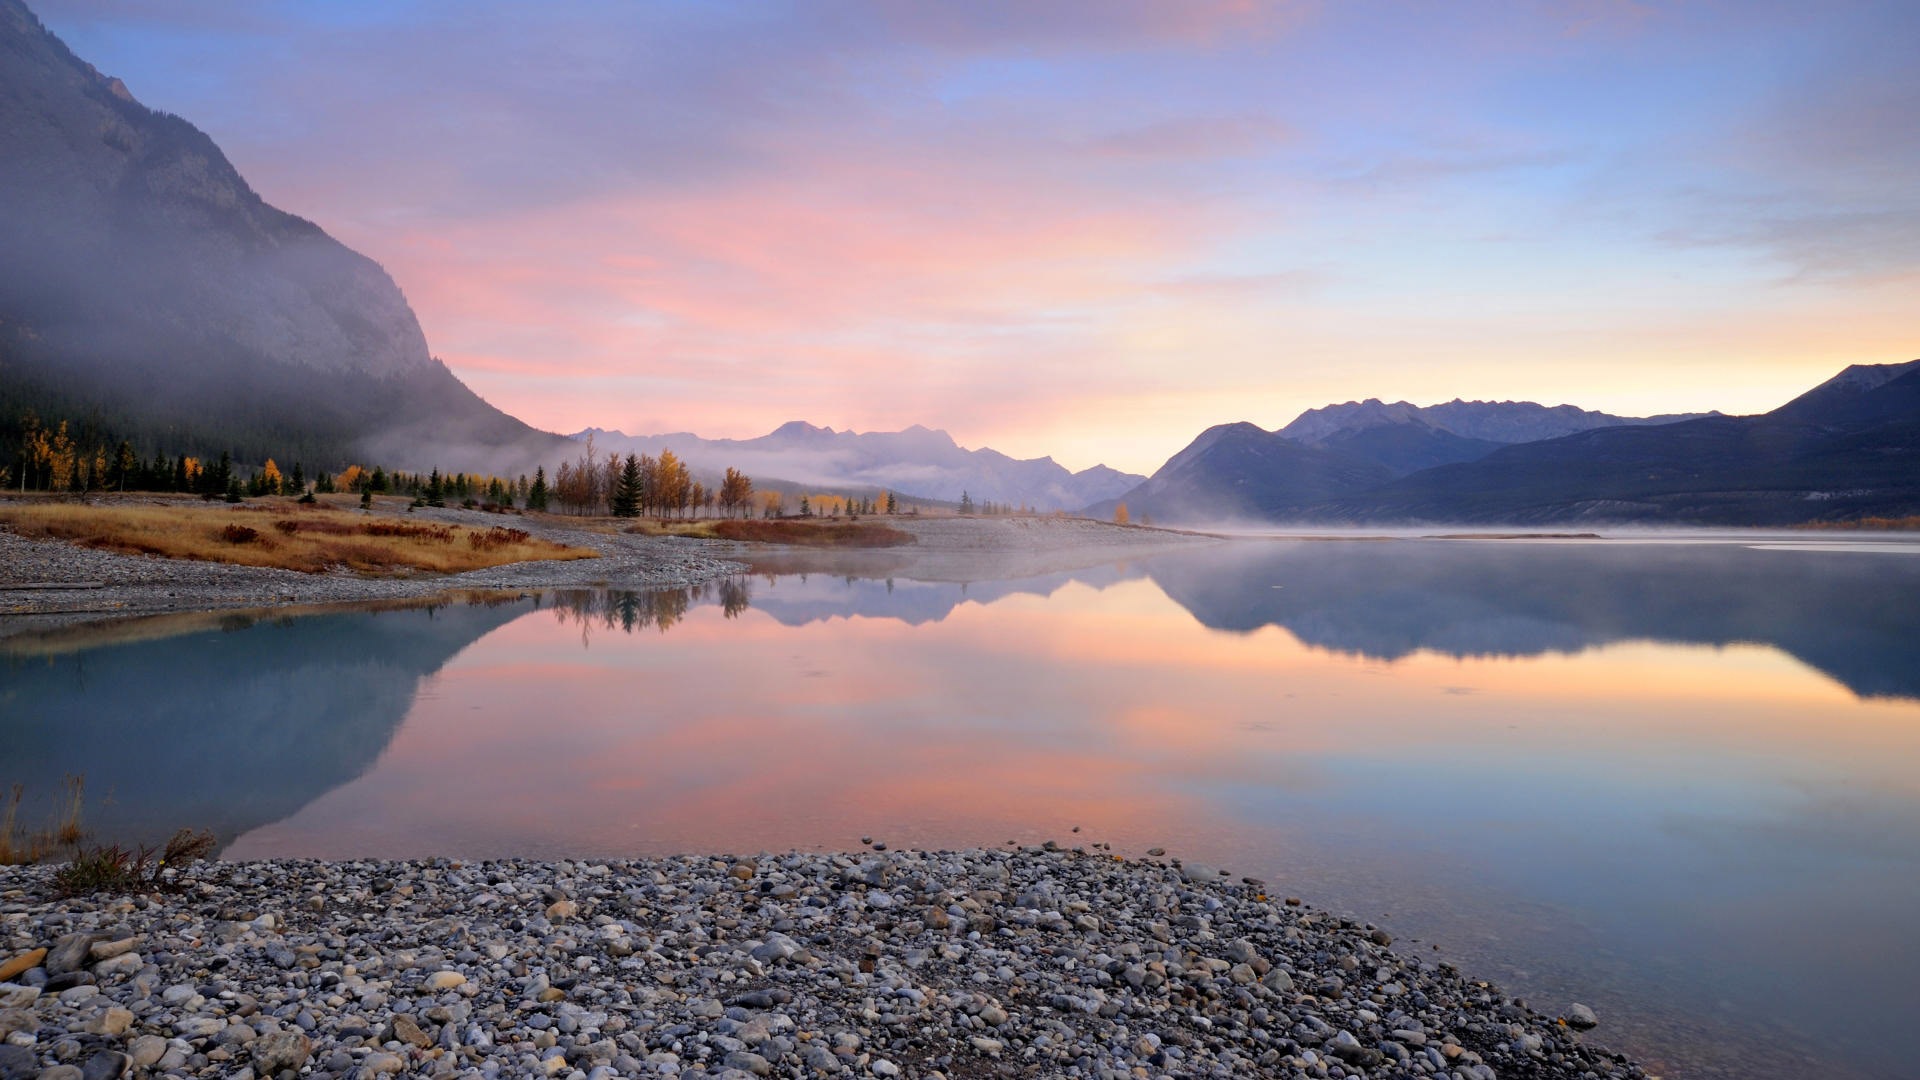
(626, 491)
(537, 494)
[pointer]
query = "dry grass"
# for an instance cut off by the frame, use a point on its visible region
(18, 847)
(800, 533)
(311, 539)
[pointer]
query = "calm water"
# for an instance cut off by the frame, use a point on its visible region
(1679, 782)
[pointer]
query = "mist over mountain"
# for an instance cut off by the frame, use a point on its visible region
(917, 461)
(1847, 449)
(146, 285)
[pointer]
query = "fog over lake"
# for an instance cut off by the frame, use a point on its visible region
(1672, 780)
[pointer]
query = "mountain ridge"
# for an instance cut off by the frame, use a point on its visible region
(1846, 449)
(916, 461)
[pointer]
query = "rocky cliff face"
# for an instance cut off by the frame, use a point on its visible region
(110, 209)
(146, 281)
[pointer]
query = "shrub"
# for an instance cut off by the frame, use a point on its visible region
(497, 537)
(112, 868)
(240, 534)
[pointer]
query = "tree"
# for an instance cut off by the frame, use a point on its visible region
(435, 494)
(966, 503)
(806, 509)
(626, 490)
(892, 507)
(366, 498)
(736, 491)
(270, 478)
(673, 482)
(537, 494)
(125, 466)
(1120, 516)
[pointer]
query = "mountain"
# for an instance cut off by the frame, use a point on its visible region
(1485, 421)
(147, 285)
(1849, 448)
(917, 461)
(1240, 471)
(1407, 438)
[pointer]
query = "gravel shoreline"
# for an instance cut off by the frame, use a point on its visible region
(1036, 962)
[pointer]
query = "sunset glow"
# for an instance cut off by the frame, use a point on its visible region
(1080, 229)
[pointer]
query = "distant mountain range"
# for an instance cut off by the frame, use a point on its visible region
(917, 461)
(145, 284)
(1849, 448)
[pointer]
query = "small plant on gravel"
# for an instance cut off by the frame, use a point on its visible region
(110, 868)
(103, 868)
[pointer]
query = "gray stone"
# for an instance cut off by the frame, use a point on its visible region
(145, 1050)
(18, 1063)
(281, 1050)
(106, 1065)
(70, 953)
(1581, 1018)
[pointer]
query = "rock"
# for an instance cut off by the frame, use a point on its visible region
(1156, 852)
(281, 1050)
(12, 1020)
(405, 1030)
(70, 953)
(1581, 1018)
(1380, 937)
(106, 1065)
(382, 1064)
(883, 1067)
(113, 1022)
(993, 1015)
(61, 1072)
(107, 950)
(15, 996)
(18, 1063)
(21, 964)
(562, 909)
(145, 1050)
(122, 964)
(747, 1061)
(442, 981)
(1199, 874)
(989, 1047)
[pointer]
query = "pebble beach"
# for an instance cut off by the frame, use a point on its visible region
(1034, 962)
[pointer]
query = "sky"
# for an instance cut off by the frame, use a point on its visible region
(1080, 228)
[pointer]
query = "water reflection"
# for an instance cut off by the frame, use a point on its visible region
(226, 721)
(1675, 783)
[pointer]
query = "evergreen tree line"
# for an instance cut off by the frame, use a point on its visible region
(51, 458)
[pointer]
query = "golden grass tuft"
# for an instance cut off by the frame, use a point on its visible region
(308, 539)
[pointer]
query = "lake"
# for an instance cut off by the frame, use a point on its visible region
(1677, 779)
